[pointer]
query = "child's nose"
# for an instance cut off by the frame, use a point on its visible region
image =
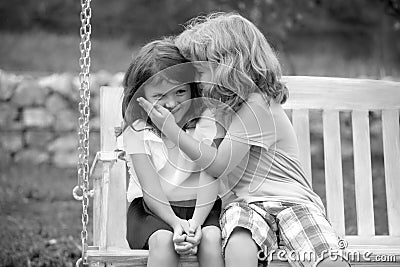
(170, 103)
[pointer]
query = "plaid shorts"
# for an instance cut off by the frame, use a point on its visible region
(302, 229)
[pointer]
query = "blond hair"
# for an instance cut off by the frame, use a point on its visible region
(244, 60)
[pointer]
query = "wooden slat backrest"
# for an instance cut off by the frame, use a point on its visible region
(341, 93)
(300, 121)
(391, 148)
(363, 173)
(331, 95)
(359, 96)
(333, 170)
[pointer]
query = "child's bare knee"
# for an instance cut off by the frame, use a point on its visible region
(333, 263)
(239, 238)
(211, 235)
(161, 239)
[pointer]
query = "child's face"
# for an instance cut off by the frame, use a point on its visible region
(204, 75)
(174, 98)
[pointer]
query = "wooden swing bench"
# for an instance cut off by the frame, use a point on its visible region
(331, 95)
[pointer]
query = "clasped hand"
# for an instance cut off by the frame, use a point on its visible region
(187, 236)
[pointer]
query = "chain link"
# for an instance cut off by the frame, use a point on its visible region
(84, 111)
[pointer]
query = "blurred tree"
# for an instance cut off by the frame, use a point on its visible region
(143, 19)
(276, 19)
(366, 26)
(51, 15)
(369, 23)
(57, 15)
(393, 8)
(149, 19)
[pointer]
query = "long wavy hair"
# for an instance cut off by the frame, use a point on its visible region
(244, 60)
(153, 63)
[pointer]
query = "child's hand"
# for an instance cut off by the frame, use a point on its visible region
(194, 234)
(185, 248)
(181, 246)
(159, 115)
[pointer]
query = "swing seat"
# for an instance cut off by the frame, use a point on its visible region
(329, 95)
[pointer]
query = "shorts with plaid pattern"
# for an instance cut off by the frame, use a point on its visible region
(302, 229)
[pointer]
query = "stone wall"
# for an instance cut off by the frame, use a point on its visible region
(39, 117)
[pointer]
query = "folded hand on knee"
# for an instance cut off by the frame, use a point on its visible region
(186, 237)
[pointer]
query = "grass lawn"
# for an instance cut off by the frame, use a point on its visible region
(40, 221)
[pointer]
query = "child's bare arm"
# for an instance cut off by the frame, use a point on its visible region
(206, 196)
(153, 194)
(217, 162)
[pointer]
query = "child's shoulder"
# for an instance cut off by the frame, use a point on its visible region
(140, 125)
(207, 114)
(259, 100)
(254, 104)
(206, 126)
(140, 130)
(257, 107)
(207, 118)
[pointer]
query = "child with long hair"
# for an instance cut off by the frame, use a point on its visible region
(258, 159)
(174, 207)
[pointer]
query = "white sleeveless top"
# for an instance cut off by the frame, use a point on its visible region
(141, 139)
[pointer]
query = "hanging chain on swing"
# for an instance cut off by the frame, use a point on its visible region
(83, 132)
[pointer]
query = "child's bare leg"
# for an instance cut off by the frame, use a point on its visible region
(210, 253)
(161, 250)
(240, 249)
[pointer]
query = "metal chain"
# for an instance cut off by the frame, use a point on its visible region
(83, 132)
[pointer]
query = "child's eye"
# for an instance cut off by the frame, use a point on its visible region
(181, 92)
(157, 96)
